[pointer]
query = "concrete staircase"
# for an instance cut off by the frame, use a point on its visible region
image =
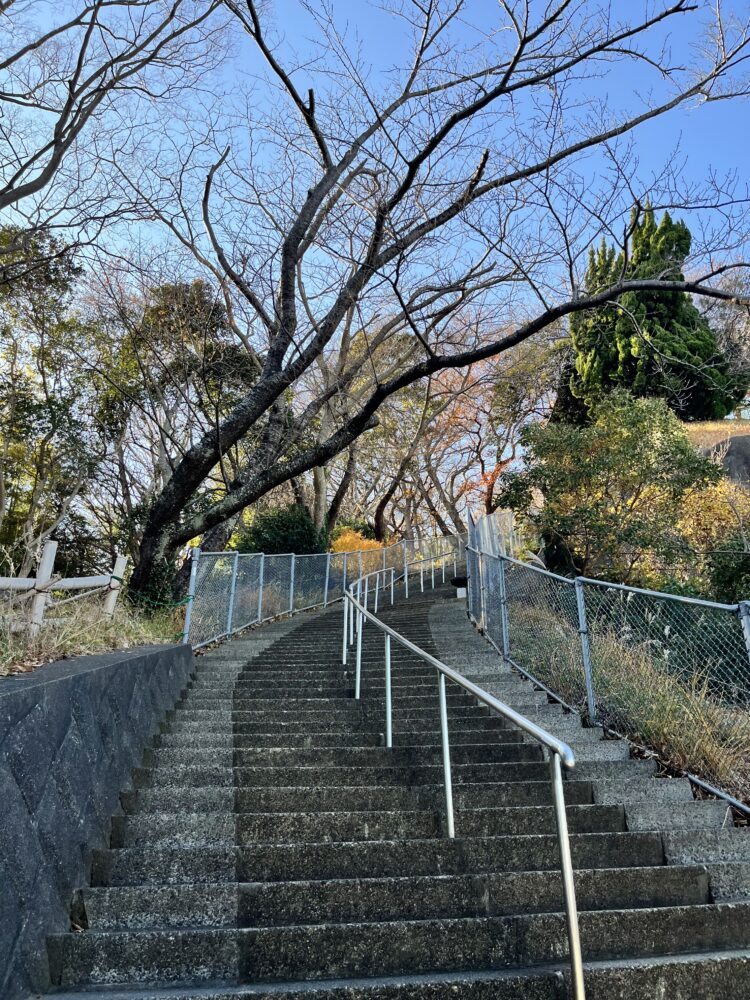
(271, 846)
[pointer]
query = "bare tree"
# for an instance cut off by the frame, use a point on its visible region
(427, 207)
(78, 83)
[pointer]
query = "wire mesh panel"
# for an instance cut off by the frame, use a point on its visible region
(309, 580)
(211, 596)
(338, 575)
(674, 674)
(247, 590)
(543, 632)
(277, 580)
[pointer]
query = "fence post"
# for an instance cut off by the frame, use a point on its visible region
(43, 577)
(191, 595)
(504, 609)
(480, 573)
(406, 572)
(232, 589)
(328, 574)
(291, 587)
(115, 585)
(583, 631)
(260, 586)
(744, 613)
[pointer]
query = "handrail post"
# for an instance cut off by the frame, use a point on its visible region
(260, 585)
(446, 758)
(377, 592)
(351, 616)
(421, 576)
(358, 675)
(344, 580)
(406, 573)
(366, 593)
(291, 586)
(344, 643)
(191, 595)
(566, 869)
(232, 591)
(504, 609)
(583, 631)
(442, 565)
(393, 582)
(359, 601)
(388, 705)
(328, 575)
(432, 571)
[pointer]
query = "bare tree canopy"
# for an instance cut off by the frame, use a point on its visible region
(371, 225)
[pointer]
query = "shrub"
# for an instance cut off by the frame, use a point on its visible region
(611, 491)
(285, 529)
(352, 541)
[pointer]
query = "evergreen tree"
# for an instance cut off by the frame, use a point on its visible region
(651, 343)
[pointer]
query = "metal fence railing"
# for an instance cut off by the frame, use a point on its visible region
(669, 673)
(230, 590)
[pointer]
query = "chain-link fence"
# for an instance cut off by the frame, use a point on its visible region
(669, 673)
(231, 590)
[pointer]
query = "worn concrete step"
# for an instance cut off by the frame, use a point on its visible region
(231, 753)
(182, 863)
(370, 899)
(520, 762)
(323, 723)
(318, 951)
(710, 975)
(343, 798)
(246, 828)
(727, 845)
(308, 709)
(693, 814)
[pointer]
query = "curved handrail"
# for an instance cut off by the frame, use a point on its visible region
(565, 753)
(560, 752)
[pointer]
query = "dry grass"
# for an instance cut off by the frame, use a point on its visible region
(687, 728)
(80, 631)
(708, 433)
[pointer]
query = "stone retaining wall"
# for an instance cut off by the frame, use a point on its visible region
(70, 735)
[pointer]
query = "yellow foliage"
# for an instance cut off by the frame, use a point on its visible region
(351, 541)
(711, 515)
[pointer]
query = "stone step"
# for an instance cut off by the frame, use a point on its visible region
(346, 798)
(710, 975)
(229, 752)
(318, 951)
(222, 828)
(520, 762)
(182, 863)
(370, 899)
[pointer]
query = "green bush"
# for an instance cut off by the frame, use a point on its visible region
(285, 529)
(729, 571)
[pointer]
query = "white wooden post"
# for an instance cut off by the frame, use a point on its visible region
(43, 577)
(196, 554)
(115, 585)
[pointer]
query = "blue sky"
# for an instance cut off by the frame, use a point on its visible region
(713, 136)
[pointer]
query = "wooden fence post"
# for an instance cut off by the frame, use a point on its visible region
(115, 585)
(43, 577)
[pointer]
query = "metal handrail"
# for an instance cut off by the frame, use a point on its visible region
(560, 752)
